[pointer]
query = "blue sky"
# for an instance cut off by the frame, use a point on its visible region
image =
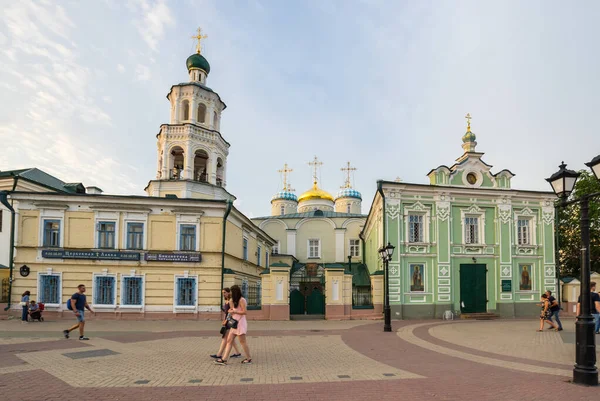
(382, 84)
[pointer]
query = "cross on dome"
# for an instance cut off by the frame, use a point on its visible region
(199, 38)
(315, 164)
(285, 171)
(468, 117)
(348, 169)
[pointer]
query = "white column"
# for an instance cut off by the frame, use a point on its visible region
(340, 234)
(188, 167)
(224, 173)
(210, 109)
(212, 172)
(165, 162)
(193, 110)
(291, 242)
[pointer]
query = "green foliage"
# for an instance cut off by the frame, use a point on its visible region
(569, 229)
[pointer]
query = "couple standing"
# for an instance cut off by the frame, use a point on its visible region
(235, 325)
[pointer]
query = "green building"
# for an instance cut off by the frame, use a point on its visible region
(466, 242)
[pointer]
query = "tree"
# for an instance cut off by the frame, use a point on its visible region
(569, 230)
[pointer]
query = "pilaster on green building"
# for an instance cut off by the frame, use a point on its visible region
(467, 242)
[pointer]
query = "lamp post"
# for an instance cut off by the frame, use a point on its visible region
(563, 183)
(386, 252)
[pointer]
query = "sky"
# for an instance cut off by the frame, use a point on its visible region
(382, 84)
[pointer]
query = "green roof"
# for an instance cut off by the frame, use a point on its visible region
(279, 264)
(314, 214)
(39, 177)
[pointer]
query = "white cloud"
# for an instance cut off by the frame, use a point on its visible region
(107, 99)
(153, 18)
(121, 68)
(142, 73)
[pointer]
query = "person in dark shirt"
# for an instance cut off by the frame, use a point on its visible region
(78, 304)
(594, 307)
(224, 330)
(554, 309)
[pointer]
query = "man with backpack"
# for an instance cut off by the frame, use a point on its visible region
(77, 303)
(554, 309)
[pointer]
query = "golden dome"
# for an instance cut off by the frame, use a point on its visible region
(315, 193)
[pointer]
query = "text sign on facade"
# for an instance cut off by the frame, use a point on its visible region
(506, 285)
(96, 255)
(173, 257)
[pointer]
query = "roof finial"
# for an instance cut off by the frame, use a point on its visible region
(468, 117)
(348, 169)
(315, 164)
(285, 171)
(199, 38)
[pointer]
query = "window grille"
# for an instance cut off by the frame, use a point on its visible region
(104, 290)
(49, 289)
(106, 235)
(471, 230)
(415, 228)
(187, 238)
(186, 291)
(254, 296)
(361, 296)
(132, 291)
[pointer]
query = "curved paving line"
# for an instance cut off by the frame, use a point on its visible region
(408, 335)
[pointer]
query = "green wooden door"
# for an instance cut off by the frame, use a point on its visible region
(315, 302)
(473, 298)
(296, 303)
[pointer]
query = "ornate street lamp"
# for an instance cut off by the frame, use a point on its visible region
(563, 183)
(386, 253)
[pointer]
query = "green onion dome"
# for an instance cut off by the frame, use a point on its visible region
(197, 61)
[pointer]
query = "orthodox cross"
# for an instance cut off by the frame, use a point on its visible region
(285, 171)
(199, 38)
(315, 164)
(347, 170)
(468, 117)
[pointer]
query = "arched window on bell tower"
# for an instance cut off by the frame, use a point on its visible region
(185, 110)
(201, 113)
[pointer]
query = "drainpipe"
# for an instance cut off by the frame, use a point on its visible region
(229, 205)
(4, 201)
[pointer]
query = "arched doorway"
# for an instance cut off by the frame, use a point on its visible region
(307, 292)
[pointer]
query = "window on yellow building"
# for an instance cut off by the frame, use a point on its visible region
(52, 233)
(245, 244)
(187, 238)
(106, 235)
(135, 235)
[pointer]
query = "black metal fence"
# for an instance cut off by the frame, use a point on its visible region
(254, 296)
(5, 295)
(362, 297)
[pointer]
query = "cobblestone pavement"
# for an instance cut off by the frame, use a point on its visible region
(308, 360)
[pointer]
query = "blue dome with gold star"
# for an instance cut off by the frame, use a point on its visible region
(349, 193)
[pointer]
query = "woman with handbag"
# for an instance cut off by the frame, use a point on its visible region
(25, 306)
(224, 330)
(236, 321)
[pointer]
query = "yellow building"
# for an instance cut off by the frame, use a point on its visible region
(168, 253)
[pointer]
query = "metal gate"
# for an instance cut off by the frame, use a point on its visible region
(307, 290)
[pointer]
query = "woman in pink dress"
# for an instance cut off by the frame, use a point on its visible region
(238, 312)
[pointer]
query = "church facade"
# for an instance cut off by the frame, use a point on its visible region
(465, 243)
(318, 238)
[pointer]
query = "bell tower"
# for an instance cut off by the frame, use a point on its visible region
(191, 152)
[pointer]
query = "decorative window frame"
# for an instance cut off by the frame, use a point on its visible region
(258, 254)
(115, 291)
(187, 220)
(473, 211)
(276, 246)
(52, 214)
(526, 214)
(184, 308)
(49, 272)
(308, 248)
(135, 218)
(424, 274)
(477, 173)
(417, 209)
(97, 233)
(245, 251)
(350, 247)
(122, 283)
